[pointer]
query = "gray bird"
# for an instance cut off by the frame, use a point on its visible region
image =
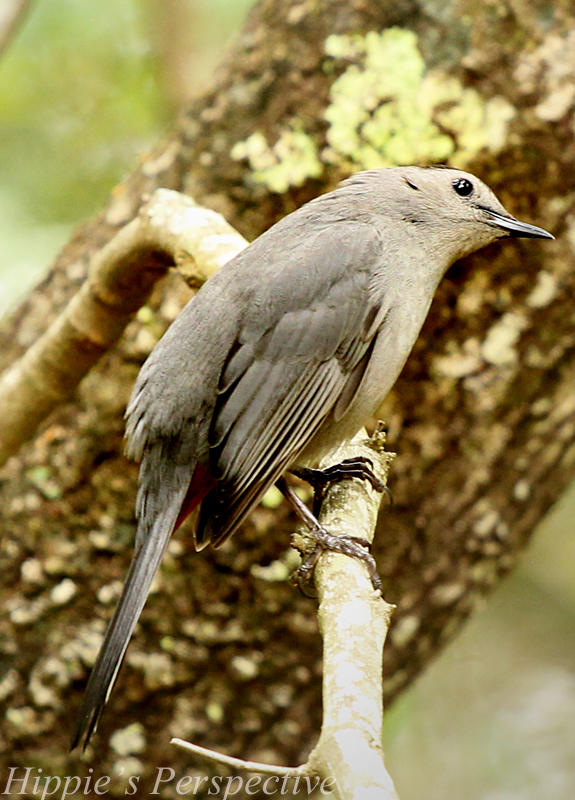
(284, 354)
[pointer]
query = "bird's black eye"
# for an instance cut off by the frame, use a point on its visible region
(463, 187)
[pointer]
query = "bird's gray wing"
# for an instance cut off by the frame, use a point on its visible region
(300, 354)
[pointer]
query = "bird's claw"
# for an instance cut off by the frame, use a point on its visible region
(353, 546)
(358, 467)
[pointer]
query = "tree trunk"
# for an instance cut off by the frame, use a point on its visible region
(483, 418)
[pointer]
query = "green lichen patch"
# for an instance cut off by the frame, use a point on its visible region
(289, 162)
(386, 109)
(43, 480)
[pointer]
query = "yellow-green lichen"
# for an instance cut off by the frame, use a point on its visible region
(386, 109)
(475, 123)
(289, 162)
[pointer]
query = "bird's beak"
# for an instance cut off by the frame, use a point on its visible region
(517, 228)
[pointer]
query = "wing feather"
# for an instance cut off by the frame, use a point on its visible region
(228, 507)
(283, 379)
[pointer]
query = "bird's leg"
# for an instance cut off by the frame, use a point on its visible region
(321, 479)
(353, 546)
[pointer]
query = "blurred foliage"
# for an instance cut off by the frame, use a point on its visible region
(80, 99)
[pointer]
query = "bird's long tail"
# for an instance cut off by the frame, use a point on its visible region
(140, 576)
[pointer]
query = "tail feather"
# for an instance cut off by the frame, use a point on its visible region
(166, 496)
(140, 576)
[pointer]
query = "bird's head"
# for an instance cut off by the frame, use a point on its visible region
(451, 212)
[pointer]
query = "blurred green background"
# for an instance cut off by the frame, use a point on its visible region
(84, 88)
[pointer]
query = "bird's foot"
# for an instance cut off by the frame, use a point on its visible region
(359, 467)
(322, 479)
(353, 546)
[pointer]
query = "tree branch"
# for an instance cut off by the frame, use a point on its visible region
(239, 763)
(354, 621)
(170, 229)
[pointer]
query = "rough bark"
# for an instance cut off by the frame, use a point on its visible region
(483, 418)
